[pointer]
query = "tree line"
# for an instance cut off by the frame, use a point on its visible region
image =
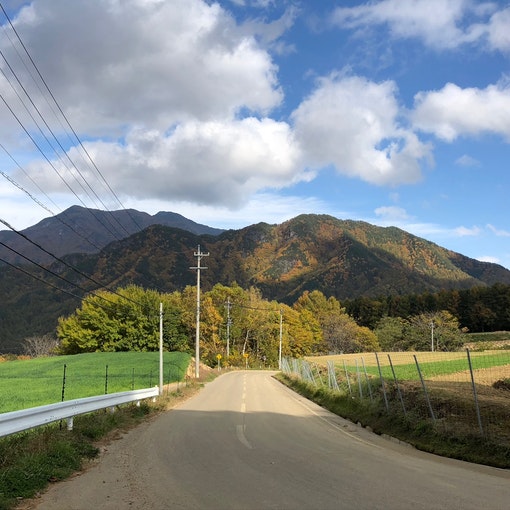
(128, 320)
(479, 309)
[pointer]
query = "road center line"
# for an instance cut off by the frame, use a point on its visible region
(240, 429)
(242, 437)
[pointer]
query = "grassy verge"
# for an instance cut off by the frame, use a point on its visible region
(31, 460)
(412, 429)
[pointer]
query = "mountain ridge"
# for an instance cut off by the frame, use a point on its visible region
(82, 230)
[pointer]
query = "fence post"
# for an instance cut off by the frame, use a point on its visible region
(63, 390)
(359, 381)
(64, 383)
(398, 387)
(318, 373)
(474, 393)
(383, 386)
(348, 380)
(106, 381)
(424, 389)
(333, 383)
(367, 379)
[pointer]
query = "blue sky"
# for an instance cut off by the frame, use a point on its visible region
(394, 112)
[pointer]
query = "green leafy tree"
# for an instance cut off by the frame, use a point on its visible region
(127, 320)
(391, 333)
(444, 327)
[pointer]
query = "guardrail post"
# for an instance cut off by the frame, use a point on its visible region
(70, 422)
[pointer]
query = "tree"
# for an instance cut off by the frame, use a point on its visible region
(37, 346)
(334, 330)
(443, 325)
(127, 320)
(391, 333)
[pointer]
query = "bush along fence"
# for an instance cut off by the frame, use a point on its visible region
(458, 393)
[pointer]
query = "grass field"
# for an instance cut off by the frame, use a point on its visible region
(488, 366)
(40, 381)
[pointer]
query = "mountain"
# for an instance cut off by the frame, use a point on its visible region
(342, 258)
(82, 230)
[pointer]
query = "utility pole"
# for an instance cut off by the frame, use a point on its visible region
(280, 348)
(199, 256)
(432, 333)
(160, 349)
(229, 304)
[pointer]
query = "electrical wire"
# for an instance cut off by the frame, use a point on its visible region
(57, 153)
(80, 143)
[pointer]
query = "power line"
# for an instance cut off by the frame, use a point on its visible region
(81, 273)
(80, 143)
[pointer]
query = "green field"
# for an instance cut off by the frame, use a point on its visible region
(40, 381)
(432, 369)
(445, 365)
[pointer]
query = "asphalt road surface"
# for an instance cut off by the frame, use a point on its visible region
(247, 442)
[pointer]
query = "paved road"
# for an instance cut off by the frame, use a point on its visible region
(247, 442)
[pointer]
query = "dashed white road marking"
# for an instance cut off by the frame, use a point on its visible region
(240, 429)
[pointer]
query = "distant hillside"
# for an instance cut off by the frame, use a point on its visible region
(342, 258)
(81, 230)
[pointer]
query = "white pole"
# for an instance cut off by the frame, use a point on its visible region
(160, 349)
(197, 329)
(228, 327)
(280, 348)
(432, 334)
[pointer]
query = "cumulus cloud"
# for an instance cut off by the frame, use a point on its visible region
(498, 33)
(353, 124)
(145, 63)
(206, 162)
(453, 111)
(179, 107)
(439, 24)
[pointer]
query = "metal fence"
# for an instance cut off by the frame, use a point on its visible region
(466, 392)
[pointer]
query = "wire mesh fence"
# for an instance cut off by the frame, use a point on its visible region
(463, 392)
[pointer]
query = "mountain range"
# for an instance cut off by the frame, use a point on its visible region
(341, 258)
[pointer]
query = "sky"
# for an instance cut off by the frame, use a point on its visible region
(231, 113)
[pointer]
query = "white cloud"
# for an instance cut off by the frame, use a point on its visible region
(391, 213)
(466, 160)
(145, 63)
(489, 258)
(260, 207)
(353, 124)
(498, 32)
(453, 111)
(464, 231)
(439, 24)
(498, 232)
(220, 163)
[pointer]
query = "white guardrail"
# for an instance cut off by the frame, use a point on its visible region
(17, 421)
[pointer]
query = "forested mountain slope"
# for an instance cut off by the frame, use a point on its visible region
(341, 258)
